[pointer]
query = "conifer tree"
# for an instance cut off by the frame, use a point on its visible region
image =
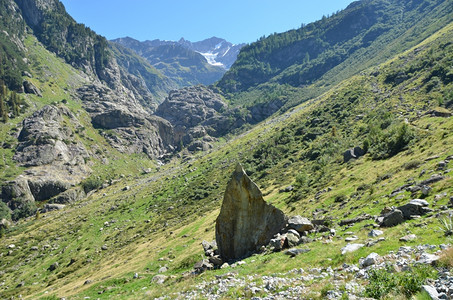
(3, 107)
(13, 99)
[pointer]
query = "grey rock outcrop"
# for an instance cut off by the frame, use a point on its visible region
(54, 157)
(392, 218)
(15, 193)
(197, 115)
(132, 128)
(353, 153)
(416, 207)
(30, 88)
(246, 222)
(69, 196)
(44, 139)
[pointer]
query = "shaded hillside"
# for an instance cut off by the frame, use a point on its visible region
(148, 76)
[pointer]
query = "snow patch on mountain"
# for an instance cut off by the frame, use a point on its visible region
(211, 58)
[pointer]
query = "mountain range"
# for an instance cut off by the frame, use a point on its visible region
(184, 62)
(114, 158)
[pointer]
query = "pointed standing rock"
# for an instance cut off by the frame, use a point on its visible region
(246, 222)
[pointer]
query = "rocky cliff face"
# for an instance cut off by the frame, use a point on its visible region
(55, 158)
(197, 115)
(135, 130)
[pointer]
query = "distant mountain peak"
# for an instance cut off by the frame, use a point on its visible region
(217, 51)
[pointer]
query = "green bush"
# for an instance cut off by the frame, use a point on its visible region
(24, 210)
(92, 183)
(385, 143)
(383, 282)
(5, 212)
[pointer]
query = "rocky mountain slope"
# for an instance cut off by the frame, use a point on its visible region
(105, 193)
(76, 82)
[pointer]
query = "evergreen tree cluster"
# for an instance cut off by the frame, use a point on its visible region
(302, 56)
(77, 44)
(11, 62)
(11, 104)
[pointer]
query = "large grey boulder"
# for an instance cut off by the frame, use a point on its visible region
(300, 224)
(392, 218)
(416, 207)
(246, 222)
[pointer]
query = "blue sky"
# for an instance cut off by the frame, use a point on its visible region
(234, 20)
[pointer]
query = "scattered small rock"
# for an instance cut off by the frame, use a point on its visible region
(370, 260)
(408, 238)
(159, 279)
(375, 233)
(432, 292)
(292, 239)
(351, 238)
(295, 252)
(351, 248)
(202, 266)
(54, 266)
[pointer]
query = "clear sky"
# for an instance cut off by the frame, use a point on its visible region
(234, 20)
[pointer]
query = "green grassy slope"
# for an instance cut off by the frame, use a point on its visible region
(141, 222)
(298, 65)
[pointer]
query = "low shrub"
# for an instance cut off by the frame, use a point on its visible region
(446, 258)
(5, 212)
(92, 183)
(383, 282)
